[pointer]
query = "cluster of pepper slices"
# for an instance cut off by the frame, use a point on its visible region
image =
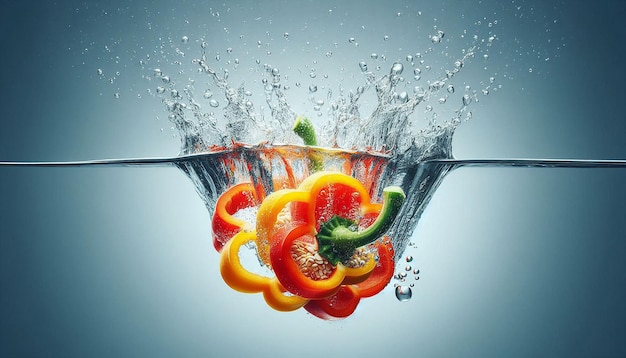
(323, 240)
(290, 221)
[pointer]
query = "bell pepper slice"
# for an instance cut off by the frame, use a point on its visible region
(338, 306)
(224, 225)
(240, 279)
(290, 274)
(345, 301)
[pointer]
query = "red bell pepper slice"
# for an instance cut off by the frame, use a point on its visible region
(224, 224)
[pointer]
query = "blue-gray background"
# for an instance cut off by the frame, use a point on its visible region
(118, 262)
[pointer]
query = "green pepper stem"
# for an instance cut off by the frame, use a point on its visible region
(305, 130)
(337, 238)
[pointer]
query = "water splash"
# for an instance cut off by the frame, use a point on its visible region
(392, 126)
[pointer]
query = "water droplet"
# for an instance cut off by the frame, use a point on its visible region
(409, 258)
(374, 56)
(99, 72)
(408, 268)
(409, 58)
(437, 37)
(160, 89)
(286, 35)
(397, 69)
(214, 103)
(351, 40)
(403, 97)
(312, 88)
(275, 71)
(363, 66)
(403, 293)
(312, 74)
(184, 39)
(450, 89)
(116, 95)
(157, 72)
(417, 71)
(467, 99)
(458, 64)
(442, 100)
(385, 37)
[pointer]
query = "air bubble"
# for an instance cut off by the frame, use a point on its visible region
(184, 39)
(312, 88)
(450, 89)
(403, 293)
(409, 258)
(363, 66)
(214, 103)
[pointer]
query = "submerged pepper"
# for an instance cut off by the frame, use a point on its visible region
(324, 240)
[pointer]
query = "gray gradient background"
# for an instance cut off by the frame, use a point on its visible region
(105, 262)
